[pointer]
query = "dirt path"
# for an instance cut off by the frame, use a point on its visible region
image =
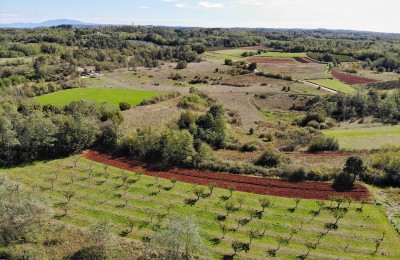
(257, 185)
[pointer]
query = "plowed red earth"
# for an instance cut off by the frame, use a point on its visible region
(257, 185)
(271, 60)
(303, 60)
(351, 79)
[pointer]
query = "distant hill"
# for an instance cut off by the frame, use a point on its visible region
(48, 23)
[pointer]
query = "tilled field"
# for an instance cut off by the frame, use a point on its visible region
(352, 79)
(303, 60)
(257, 185)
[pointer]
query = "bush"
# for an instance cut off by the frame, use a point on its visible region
(124, 106)
(269, 159)
(343, 181)
(181, 65)
(252, 66)
(295, 174)
(249, 147)
(387, 160)
(228, 62)
(20, 213)
(321, 144)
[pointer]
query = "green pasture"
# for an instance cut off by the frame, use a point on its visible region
(113, 96)
(366, 138)
(148, 201)
(282, 55)
(335, 85)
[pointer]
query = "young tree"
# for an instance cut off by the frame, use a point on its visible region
(265, 203)
(198, 191)
(68, 195)
(124, 177)
(211, 187)
(355, 166)
(240, 200)
(231, 189)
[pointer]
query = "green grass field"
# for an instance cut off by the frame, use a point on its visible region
(335, 85)
(341, 58)
(113, 96)
(282, 54)
(97, 198)
(366, 138)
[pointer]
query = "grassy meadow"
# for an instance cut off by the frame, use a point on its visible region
(366, 138)
(113, 96)
(335, 85)
(283, 54)
(148, 201)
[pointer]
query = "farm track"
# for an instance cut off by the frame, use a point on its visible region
(256, 185)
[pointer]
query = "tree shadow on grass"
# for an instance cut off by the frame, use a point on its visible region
(131, 181)
(291, 210)
(190, 202)
(221, 217)
(224, 198)
(98, 183)
(124, 233)
(215, 241)
(272, 252)
(331, 226)
(143, 224)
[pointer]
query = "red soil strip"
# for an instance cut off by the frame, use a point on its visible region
(271, 60)
(352, 79)
(304, 60)
(257, 185)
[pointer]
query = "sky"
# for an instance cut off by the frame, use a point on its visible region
(370, 15)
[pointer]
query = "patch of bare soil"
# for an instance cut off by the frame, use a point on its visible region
(282, 101)
(242, 104)
(257, 185)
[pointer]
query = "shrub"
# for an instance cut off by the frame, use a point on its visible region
(124, 106)
(181, 65)
(229, 62)
(295, 174)
(20, 213)
(343, 181)
(249, 147)
(269, 159)
(252, 66)
(320, 144)
(388, 161)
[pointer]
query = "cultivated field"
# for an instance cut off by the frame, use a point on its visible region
(335, 85)
(286, 228)
(297, 70)
(351, 79)
(113, 96)
(366, 138)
